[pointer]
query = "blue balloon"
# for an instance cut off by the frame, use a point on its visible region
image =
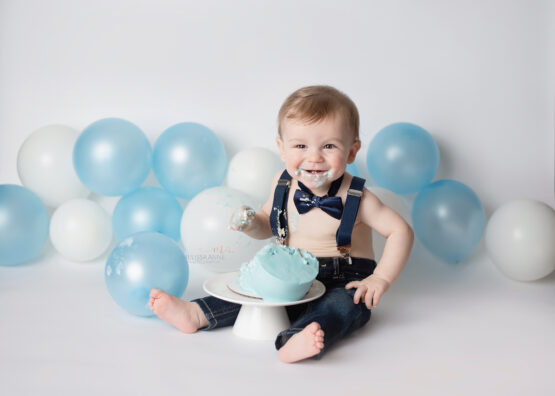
(352, 169)
(189, 158)
(147, 209)
(448, 219)
(140, 263)
(403, 158)
(112, 157)
(24, 224)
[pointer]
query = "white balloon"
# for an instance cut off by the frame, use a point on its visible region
(80, 230)
(45, 165)
(520, 239)
(395, 202)
(252, 171)
(205, 232)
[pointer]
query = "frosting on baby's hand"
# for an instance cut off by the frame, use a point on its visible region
(242, 218)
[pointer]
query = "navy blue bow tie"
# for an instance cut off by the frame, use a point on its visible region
(305, 200)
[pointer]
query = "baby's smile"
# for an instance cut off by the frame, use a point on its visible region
(318, 177)
(314, 171)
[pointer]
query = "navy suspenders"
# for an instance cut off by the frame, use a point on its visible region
(278, 215)
(343, 235)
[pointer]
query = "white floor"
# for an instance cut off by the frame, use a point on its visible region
(441, 329)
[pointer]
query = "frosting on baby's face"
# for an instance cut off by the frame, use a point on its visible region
(315, 178)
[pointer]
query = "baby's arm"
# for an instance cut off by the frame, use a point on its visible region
(255, 224)
(399, 239)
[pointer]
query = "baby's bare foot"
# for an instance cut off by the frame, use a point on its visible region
(186, 316)
(306, 343)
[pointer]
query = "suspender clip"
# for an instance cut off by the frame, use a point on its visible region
(283, 182)
(346, 253)
(356, 193)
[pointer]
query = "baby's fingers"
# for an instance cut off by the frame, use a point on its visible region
(235, 220)
(377, 297)
(359, 294)
(368, 298)
(241, 218)
(352, 284)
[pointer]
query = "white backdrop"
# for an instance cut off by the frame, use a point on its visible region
(478, 75)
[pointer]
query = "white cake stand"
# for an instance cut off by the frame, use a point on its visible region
(258, 319)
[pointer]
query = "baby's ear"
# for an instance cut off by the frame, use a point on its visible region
(353, 151)
(279, 143)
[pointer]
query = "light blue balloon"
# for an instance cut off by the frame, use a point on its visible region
(188, 158)
(147, 209)
(112, 157)
(24, 224)
(352, 169)
(403, 158)
(140, 263)
(448, 219)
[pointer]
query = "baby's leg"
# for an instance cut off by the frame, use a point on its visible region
(303, 345)
(186, 316)
(336, 314)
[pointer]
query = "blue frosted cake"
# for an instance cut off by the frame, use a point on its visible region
(279, 273)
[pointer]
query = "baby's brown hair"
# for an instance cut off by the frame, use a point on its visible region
(317, 102)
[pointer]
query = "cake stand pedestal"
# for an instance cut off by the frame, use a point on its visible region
(257, 319)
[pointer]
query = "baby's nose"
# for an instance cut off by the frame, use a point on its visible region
(314, 156)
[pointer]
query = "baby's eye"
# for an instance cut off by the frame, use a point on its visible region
(329, 146)
(300, 146)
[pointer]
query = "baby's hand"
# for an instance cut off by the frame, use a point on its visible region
(242, 218)
(369, 290)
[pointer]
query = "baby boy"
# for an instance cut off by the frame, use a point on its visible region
(330, 214)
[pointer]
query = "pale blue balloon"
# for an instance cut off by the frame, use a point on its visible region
(24, 224)
(448, 218)
(147, 209)
(140, 263)
(112, 157)
(188, 158)
(403, 158)
(352, 169)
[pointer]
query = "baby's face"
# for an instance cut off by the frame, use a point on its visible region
(317, 153)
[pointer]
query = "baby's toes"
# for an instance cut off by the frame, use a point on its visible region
(319, 343)
(314, 327)
(319, 339)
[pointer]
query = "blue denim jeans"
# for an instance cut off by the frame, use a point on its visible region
(335, 311)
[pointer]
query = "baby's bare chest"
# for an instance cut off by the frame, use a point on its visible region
(314, 224)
